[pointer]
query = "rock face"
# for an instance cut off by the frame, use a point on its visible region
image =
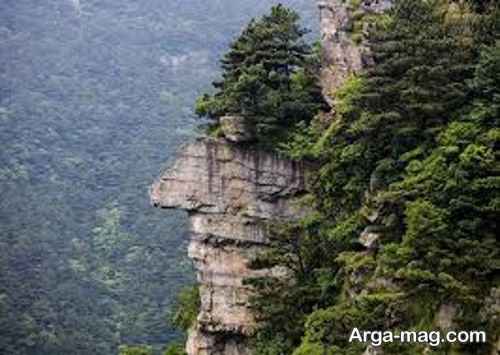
(445, 316)
(229, 193)
(235, 129)
(370, 238)
(344, 49)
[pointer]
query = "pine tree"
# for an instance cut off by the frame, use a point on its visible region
(269, 77)
(486, 86)
(418, 80)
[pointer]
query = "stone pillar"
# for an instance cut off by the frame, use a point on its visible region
(229, 193)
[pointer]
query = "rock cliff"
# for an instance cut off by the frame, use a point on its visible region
(229, 193)
(345, 50)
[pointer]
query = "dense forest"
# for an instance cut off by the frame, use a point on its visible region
(94, 97)
(406, 190)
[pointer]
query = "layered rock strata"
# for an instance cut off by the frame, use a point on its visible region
(230, 193)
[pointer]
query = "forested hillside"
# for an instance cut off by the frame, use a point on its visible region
(405, 189)
(404, 233)
(93, 96)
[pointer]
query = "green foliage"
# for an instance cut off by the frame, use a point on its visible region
(333, 325)
(282, 304)
(186, 309)
(175, 349)
(269, 77)
(486, 84)
(135, 350)
(411, 155)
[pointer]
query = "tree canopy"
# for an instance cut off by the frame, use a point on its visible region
(269, 77)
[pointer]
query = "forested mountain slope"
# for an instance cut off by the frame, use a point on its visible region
(93, 96)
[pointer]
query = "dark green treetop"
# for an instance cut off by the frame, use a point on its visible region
(269, 77)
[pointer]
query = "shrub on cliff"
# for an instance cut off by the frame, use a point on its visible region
(175, 349)
(136, 350)
(186, 308)
(183, 316)
(269, 78)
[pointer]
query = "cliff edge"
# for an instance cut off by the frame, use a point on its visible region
(229, 192)
(345, 50)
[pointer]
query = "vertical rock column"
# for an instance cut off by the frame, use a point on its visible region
(229, 193)
(345, 50)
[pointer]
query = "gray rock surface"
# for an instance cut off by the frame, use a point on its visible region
(230, 193)
(342, 55)
(235, 129)
(445, 316)
(370, 238)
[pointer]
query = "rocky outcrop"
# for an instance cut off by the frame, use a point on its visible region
(235, 129)
(345, 49)
(370, 238)
(445, 316)
(229, 193)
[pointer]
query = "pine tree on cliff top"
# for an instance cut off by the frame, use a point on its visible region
(419, 79)
(268, 77)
